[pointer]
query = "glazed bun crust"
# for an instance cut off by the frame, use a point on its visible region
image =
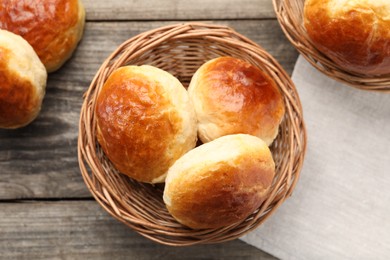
(219, 183)
(355, 34)
(22, 81)
(145, 121)
(53, 28)
(231, 96)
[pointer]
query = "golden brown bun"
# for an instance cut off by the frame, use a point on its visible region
(53, 28)
(231, 96)
(145, 121)
(219, 183)
(355, 34)
(22, 81)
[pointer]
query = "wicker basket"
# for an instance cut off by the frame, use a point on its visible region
(290, 17)
(181, 49)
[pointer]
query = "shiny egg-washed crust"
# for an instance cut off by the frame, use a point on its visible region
(22, 81)
(53, 28)
(355, 34)
(219, 183)
(145, 121)
(231, 96)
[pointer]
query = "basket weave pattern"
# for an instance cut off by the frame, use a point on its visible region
(181, 49)
(290, 17)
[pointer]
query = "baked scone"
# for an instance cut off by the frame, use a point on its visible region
(355, 34)
(145, 121)
(22, 81)
(53, 28)
(219, 183)
(231, 96)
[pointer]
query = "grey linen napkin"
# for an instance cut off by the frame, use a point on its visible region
(340, 208)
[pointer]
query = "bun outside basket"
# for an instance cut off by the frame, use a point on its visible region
(290, 17)
(181, 49)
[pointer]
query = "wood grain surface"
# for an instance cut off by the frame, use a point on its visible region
(178, 9)
(46, 212)
(82, 230)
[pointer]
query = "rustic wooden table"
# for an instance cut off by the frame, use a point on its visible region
(46, 210)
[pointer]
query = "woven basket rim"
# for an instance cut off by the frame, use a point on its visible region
(290, 16)
(143, 211)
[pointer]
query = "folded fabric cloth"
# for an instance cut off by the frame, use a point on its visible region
(340, 208)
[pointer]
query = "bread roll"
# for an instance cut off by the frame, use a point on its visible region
(219, 183)
(22, 81)
(355, 34)
(231, 96)
(53, 28)
(145, 121)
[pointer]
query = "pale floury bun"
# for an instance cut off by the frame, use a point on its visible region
(145, 121)
(355, 34)
(53, 28)
(219, 183)
(232, 96)
(22, 81)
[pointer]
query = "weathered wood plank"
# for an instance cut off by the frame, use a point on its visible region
(178, 9)
(40, 160)
(82, 230)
